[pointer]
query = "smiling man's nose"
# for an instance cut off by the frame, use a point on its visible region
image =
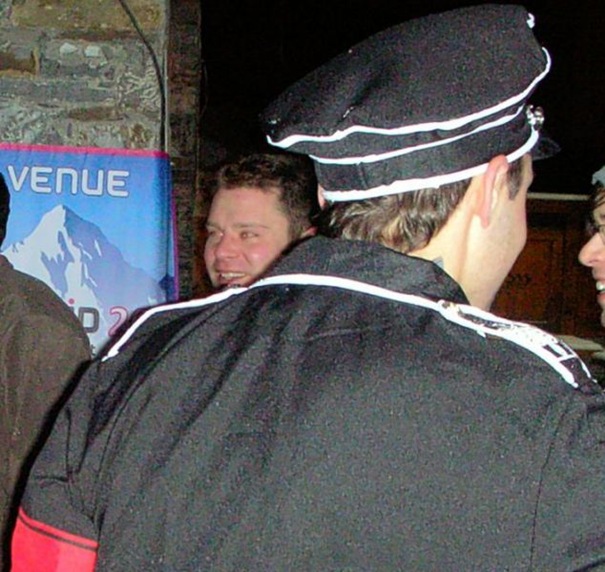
(226, 247)
(592, 251)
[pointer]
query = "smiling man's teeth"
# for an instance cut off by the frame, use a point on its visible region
(231, 275)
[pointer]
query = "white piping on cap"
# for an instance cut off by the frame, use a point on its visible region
(448, 125)
(375, 158)
(409, 185)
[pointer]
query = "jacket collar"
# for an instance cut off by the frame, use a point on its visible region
(370, 263)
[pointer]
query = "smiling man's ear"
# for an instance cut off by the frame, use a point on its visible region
(311, 231)
(320, 197)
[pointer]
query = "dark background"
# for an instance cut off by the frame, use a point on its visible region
(253, 49)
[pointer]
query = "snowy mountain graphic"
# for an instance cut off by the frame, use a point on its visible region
(76, 260)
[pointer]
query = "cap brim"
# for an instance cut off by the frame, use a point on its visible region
(545, 148)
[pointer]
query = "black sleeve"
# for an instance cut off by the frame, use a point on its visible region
(569, 531)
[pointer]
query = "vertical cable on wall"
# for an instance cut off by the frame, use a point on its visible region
(160, 75)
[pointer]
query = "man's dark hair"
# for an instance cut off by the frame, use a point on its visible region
(292, 177)
(597, 199)
(406, 221)
(4, 208)
(598, 196)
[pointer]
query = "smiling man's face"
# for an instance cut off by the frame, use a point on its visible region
(247, 232)
(592, 254)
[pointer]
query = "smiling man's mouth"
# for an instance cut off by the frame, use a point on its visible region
(230, 277)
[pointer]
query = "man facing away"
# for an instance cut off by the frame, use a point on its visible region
(352, 410)
(42, 345)
(261, 205)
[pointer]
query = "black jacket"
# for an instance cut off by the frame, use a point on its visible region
(331, 426)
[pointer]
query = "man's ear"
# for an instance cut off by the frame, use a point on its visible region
(493, 188)
(320, 197)
(311, 231)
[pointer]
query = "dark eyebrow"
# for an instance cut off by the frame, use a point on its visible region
(250, 225)
(239, 226)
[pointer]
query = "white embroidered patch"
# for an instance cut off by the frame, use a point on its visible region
(546, 346)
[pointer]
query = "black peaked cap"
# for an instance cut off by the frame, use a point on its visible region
(421, 104)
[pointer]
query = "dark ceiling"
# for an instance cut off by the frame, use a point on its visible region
(255, 48)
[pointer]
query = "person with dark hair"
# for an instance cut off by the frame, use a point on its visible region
(358, 407)
(592, 254)
(42, 346)
(261, 205)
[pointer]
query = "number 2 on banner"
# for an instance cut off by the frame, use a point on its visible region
(122, 315)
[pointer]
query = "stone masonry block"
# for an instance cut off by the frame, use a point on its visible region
(19, 51)
(12, 64)
(45, 93)
(94, 58)
(141, 92)
(70, 15)
(29, 126)
(52, 126)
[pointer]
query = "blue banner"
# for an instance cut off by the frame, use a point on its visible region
(96, 225)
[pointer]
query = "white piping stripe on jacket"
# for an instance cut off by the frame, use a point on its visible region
(544, 345)
(114, 349)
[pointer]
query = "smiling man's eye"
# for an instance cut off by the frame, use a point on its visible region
(212, 235)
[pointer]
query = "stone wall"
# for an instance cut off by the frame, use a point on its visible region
(77, 73)
(81, 73)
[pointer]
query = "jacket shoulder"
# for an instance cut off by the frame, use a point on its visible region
(550, 349)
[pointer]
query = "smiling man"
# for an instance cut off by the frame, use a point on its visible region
(261, 205)
(592, 254)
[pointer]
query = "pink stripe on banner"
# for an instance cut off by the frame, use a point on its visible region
(175, 247)
(84, 150)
